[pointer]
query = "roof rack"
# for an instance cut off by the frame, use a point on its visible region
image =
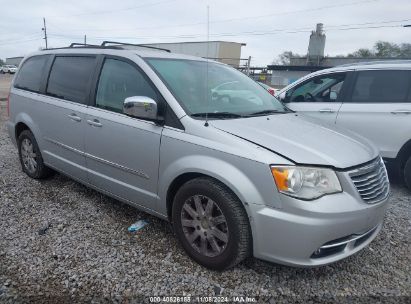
(116, 46)
(84, 46)
(104, 44)
(76, 44)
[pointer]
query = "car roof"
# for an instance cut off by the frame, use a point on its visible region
(371, 65)
(359, 66)
(145, 53)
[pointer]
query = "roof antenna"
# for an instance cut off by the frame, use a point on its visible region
(208, 40)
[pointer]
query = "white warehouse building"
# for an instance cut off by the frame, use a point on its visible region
(223, 51)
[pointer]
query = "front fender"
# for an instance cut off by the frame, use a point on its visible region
(226, 173)
(251, 181)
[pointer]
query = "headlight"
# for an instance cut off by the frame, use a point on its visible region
(305, 182)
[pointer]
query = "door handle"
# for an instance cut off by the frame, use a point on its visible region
(326, 111)
(401, 112)
(74, 117)
(94, 123)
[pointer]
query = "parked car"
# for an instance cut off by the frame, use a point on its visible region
(267, 87)
(234, 178)
(371, 99)
(11, 69)
(230, 91)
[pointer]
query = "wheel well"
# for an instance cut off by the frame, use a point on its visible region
(181, 180)
(20, 127)
(175, 185)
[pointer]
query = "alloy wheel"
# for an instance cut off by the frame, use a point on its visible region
(28, 155)
(204, 225)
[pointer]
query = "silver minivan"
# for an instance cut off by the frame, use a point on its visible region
(372, 99)
(236, 172)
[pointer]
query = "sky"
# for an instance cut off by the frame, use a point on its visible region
(267, 27)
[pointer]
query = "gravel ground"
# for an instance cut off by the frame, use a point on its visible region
(5, 80)
(62, 242)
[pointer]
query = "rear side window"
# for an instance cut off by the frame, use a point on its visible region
(70, 78)
(119, 80)
(30, 74)
(381, 86)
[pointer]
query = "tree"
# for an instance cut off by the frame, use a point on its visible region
(384, 49)
(362, 53)
(1, 62)
(381, 49)
(405, 49)
(285, 58)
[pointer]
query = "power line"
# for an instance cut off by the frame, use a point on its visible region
(21, 41)
(297, 11)
(367, 23)
(116, 10)
(238, 18)
(354, 26)
(20, 38)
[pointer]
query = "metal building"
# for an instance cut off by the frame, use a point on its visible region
(14, 60)
(223, 51)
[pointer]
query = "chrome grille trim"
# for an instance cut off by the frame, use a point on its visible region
(371, 181)
(348, 239)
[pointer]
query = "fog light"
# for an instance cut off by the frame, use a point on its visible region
(317, 252)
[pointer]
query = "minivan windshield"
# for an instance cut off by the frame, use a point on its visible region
(214, 89)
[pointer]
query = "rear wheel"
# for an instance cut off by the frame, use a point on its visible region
(211, 224)
(30, 156)
(407, 173)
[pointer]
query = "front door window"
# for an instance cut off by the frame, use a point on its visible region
(318, 89)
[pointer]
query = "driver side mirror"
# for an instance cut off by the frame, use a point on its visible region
(141, 107)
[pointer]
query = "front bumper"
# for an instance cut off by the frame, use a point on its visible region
(339, 223)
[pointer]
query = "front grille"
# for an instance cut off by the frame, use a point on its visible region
(371, 181)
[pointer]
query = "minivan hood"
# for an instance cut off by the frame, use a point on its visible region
(302, 139)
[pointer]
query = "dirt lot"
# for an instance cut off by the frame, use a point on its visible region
(62, 242)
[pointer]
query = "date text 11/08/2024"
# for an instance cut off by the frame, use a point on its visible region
(206, 299)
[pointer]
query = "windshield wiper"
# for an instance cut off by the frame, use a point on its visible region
(217, 115)
(269, 112)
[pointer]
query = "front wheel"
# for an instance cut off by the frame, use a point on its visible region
(211, 224)
(407, 173)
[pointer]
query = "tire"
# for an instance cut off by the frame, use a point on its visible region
(28, 152)
(228, 242)
(407, 173)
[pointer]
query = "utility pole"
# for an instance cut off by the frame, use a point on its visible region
(45, 31)
(248, 65)
(85, 39)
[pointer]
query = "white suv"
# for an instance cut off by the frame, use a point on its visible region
(11, 69)
(372, 99)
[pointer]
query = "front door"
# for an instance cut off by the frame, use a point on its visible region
(122, 152)
(317, 97)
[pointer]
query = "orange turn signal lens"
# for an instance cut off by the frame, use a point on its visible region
(280, 178)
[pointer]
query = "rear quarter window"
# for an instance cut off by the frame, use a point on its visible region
(30, 75)
(70, 78)
(382, 86)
